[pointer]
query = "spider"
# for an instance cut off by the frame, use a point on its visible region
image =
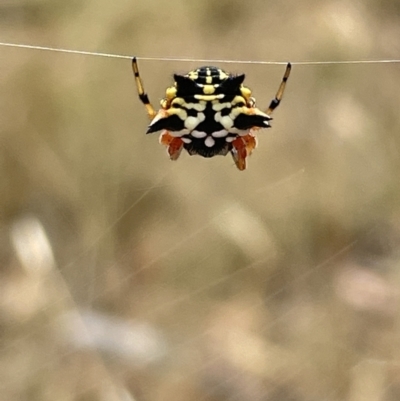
(208, 112)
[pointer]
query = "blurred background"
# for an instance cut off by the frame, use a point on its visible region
(125, 276)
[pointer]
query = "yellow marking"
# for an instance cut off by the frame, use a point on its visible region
(209, 98)
(219, 106)
(191, 123)
(201, 117)
(238, 99)
(166, 112)
(181, 113)
(171, 92)
(246, 92)
(208, 72)
(240, 110)
(208, 79)
(222, 75)
(196, 106)
(178, 100)
(226, 122)
(246, 110)
(208, 89)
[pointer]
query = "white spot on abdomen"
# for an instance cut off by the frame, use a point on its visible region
(196, 106)
(220, 106)
(220, 134)
(226, 122)
(198, 134)
(209, 142)
(191, 123)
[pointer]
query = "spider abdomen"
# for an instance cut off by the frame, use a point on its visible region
(208, 124)
(208, 112)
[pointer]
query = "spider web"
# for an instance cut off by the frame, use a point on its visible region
(129, 277)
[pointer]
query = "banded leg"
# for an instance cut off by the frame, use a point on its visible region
(142, 94)
(275, 102)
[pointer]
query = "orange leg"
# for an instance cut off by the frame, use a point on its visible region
(251, 143)
(242, 148)
(174, 144)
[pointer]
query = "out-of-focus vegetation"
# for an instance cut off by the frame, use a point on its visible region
(125, 276)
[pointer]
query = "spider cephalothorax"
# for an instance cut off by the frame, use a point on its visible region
(208, 112)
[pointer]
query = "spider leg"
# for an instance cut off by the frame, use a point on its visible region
(242, 147)
(275, 102)
(174, 144)
(142, 94)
